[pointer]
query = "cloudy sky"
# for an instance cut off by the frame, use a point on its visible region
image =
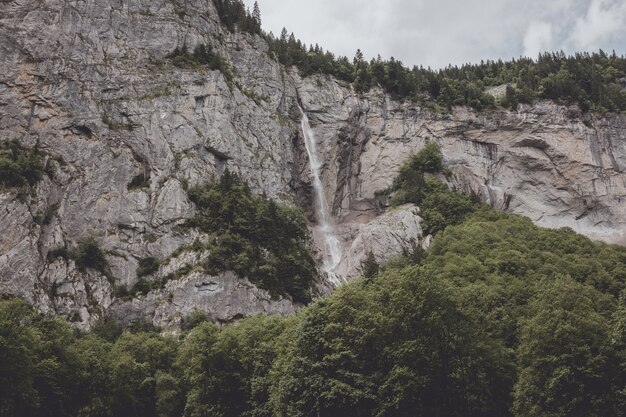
(438, 32)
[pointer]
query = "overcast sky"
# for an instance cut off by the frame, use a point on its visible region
(438, 32)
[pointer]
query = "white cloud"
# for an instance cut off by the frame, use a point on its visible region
(538, 38)
(604, 20)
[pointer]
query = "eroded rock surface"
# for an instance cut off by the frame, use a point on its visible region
(391, 233)
(89, 83)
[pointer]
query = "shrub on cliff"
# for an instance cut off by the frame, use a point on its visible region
(416, 183)
(88, 255)
(20, 166)
(255, 237)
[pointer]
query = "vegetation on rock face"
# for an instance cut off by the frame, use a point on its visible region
(234, 16)
(416, 183)
(369, 267)
(202, 56)
(255, 237)
(147, 266)
(86, 255)
(20, 166)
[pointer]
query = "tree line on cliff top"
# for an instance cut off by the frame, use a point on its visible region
(594, 81)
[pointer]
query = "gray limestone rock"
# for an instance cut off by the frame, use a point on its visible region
(546, 161)
(90, 84)
(389, 234)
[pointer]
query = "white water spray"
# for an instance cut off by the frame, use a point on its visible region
(333, 251)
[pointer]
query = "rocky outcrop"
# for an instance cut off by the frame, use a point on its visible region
(89, 83)
(223, 298)
(393, 232)
(551, 163)
(187, 288)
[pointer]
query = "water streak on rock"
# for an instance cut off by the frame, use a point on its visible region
(332, 246)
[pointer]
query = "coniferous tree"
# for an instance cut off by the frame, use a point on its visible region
(369, 266)
(256, 13)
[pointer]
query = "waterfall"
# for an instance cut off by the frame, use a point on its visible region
(332, 247)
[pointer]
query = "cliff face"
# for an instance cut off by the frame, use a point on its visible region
(88, 82)
(548, 162)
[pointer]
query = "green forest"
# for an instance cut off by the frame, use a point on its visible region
(499, 318)
(594, 81)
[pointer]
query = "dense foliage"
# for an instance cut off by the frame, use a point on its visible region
(594, 81)
(235, 16)
(416, 183)
(20, 166)
(49, 369)
(502, 318)
(254, 237)
(202, 56)
(396, 346)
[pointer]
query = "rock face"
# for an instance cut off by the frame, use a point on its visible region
(89, 83)
(391, 233)
(224, 298)
(548, 162)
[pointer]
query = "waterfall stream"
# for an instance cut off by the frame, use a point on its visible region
(332, 246)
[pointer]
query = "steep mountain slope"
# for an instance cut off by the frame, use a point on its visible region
(127, 127)
(90, 90)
